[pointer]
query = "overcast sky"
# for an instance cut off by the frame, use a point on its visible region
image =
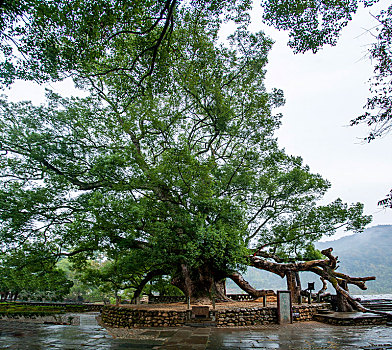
(323, 92)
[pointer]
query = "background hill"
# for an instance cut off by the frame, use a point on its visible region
(365, 254)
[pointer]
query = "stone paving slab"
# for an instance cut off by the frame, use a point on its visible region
(300, 336)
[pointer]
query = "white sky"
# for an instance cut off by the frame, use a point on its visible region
(323, 93)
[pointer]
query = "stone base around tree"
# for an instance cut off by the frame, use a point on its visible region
(252, 315)
(351, 319)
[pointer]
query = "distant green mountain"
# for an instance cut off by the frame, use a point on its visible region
(364, 254)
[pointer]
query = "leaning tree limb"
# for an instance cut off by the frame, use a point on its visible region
(323, 289)
(324, 268)
(147, 278)
(238, 279)
(355, 303)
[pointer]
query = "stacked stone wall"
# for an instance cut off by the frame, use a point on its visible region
(246, 317)
(303, 313)
(37, 318)
(359, 321)
(237, 317)
(130, 318)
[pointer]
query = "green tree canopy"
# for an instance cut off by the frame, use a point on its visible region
(132, 41)
(173, 155)
(27, 274)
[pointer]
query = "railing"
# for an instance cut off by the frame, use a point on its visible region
(165, 299)
(240, 297)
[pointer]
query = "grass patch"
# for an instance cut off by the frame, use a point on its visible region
(38, 310)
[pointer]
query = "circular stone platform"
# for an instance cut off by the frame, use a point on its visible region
(230, 314)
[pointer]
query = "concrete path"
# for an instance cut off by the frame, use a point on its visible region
(89, 335)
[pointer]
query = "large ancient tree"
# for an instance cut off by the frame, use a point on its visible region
(49, 40)
(172, 154)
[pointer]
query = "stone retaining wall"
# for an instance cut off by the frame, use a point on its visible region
(263, 315)
(69, 307)
(306, 312)
(352, 321)
(128, 317)
(72, 320)
(246, 317)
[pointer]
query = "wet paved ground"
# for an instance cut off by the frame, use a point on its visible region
(309, 335)
(29, 336)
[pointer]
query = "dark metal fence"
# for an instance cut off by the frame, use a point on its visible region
(164, 299)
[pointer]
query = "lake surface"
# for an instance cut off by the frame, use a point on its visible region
(374, 296)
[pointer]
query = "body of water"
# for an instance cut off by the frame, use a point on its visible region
(374, 296)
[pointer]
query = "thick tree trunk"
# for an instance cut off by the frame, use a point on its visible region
(117, 298)
(4, 296)
(220, 291)
(342, 302)
(293, 285)
(357, 305)
(201, 285)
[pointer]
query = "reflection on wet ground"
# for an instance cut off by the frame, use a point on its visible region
(31, 336)
(89, 335)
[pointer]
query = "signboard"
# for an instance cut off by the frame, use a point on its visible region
(285, 310)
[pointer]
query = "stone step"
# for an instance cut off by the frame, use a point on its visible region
(201, 320)
(350, 318)
(380, 308)
(201, 324)
(381, 305)
(324, 311)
